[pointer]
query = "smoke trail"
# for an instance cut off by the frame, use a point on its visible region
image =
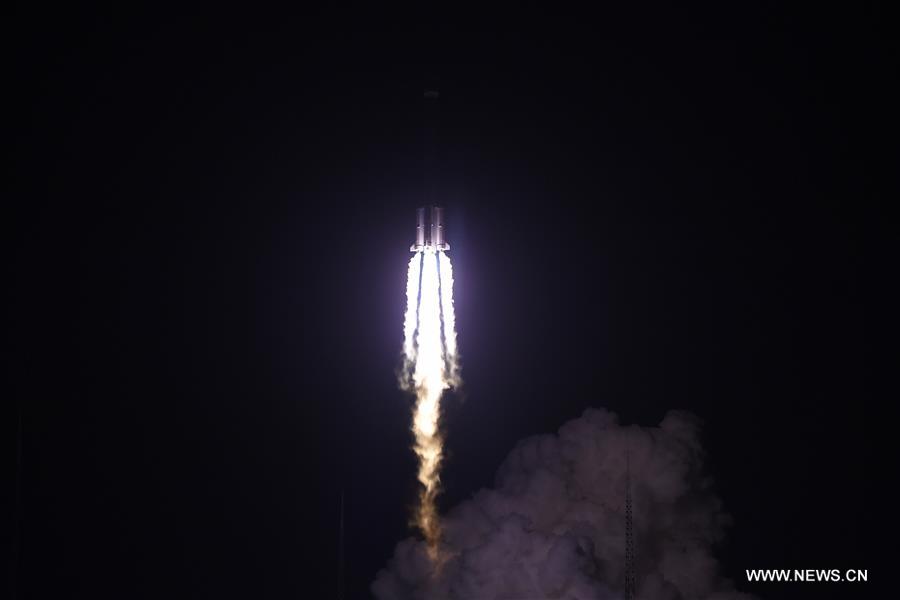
(429, 381)
(430, 352)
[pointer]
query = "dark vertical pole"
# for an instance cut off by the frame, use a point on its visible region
(629, 532)
(18, 529)
(340, 582)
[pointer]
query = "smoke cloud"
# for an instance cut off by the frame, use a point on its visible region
(554, 525)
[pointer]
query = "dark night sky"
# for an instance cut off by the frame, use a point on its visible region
(648, 210)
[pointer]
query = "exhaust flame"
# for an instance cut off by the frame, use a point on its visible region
(446, 271)
(410, 319)
(431, 365)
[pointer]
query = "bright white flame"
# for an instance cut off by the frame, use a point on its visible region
(430, 350)
(410, 319)
(452, 354)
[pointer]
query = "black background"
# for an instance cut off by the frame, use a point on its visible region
(648, 209)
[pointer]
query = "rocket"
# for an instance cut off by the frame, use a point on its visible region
(429, 229)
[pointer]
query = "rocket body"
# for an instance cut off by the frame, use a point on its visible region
(429, 229)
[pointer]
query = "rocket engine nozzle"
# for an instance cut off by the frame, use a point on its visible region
(429, 229)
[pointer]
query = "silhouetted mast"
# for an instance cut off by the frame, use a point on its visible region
(18, 526)
(629, 532)
(340, 582)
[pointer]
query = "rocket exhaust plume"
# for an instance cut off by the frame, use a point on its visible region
(430, 361)
(410, 319)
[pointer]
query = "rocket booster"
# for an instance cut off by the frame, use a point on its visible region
(429, 229)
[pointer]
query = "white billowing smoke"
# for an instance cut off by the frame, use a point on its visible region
(554, 525)
(430, 366)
